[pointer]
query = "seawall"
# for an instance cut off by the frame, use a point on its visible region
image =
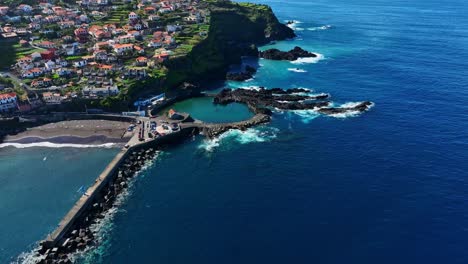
(101, 194)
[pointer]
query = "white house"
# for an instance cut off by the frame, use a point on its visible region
(8, 102)
(80, 63)
(49, 65)
(138, 27)
(62, 71)
(52, 98)
(35, 56)
(101, 91)
(25, 8)
(121, 48)
(132, 15)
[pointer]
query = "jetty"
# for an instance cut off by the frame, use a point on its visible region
(73, 232)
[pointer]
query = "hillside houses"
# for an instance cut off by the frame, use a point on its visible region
(93, 45)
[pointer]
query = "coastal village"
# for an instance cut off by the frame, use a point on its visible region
(91, 49)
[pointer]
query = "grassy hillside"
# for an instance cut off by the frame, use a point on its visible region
(235, 30)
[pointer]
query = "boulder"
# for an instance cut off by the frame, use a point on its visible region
(292, 55)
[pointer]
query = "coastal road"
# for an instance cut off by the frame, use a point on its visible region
(16, 79)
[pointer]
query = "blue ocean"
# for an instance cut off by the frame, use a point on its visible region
(387, 186)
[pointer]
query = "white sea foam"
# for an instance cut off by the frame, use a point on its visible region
(294, 24)
(251, 135)
(350, 113)
(320, 28)
(319, 94)
(253, 87)
(309, 115)
(346, 114)
(55, 145)
(306, 115)
(296, 70)
(350, 104)
(316, 59)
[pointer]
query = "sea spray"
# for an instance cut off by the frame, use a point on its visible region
(235, 136)
(309, 60)
(308, 115)
(297, 70)
(320, 28)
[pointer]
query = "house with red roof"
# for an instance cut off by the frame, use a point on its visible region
(46, 44)
(141, 61)
(132, 16)
(81, 34)
(8, 102)
(48, 54)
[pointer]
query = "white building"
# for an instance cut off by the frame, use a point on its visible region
(101, 91)
(52, 98)
(8, 102)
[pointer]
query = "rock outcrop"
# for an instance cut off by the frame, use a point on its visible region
(294, 54)
(261, 101)
(238, 76)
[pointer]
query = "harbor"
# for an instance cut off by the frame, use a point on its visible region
(152, 132)
(149, 134)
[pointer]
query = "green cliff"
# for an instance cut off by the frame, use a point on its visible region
(235, 30)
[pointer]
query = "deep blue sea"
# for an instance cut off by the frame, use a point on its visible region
(387, 186)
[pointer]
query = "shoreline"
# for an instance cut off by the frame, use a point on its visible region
(81, 132)
(66, 139)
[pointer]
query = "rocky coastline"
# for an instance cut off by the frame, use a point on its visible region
(261, 101)
(247, 74)
(82, 236)
(292, 55)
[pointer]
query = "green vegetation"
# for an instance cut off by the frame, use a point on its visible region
(11, 51)
(235, 30)
(8, 53)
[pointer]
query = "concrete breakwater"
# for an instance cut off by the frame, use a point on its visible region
(214, 130)
(73, 232)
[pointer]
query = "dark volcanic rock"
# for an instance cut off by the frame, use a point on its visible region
(361, 107)
(250, 69)
(294, 54)
(238, 76)
(261, 101)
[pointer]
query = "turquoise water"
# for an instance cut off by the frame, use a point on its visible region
(37, 188)
(203, 109)
(387, 186)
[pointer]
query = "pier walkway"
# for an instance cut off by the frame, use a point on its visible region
(79, 211)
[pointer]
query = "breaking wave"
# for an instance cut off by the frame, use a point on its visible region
(296, 70)
(309, 60)
(55, 145)
(320, 28)
(310, 114)
(294, 24)
(306, 115)
(350, 113)
(251, 135)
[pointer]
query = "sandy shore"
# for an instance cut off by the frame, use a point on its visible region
(76, 132)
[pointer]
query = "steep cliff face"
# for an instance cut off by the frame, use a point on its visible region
(235, 30)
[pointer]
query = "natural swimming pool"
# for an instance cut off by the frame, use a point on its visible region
(202, 108)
